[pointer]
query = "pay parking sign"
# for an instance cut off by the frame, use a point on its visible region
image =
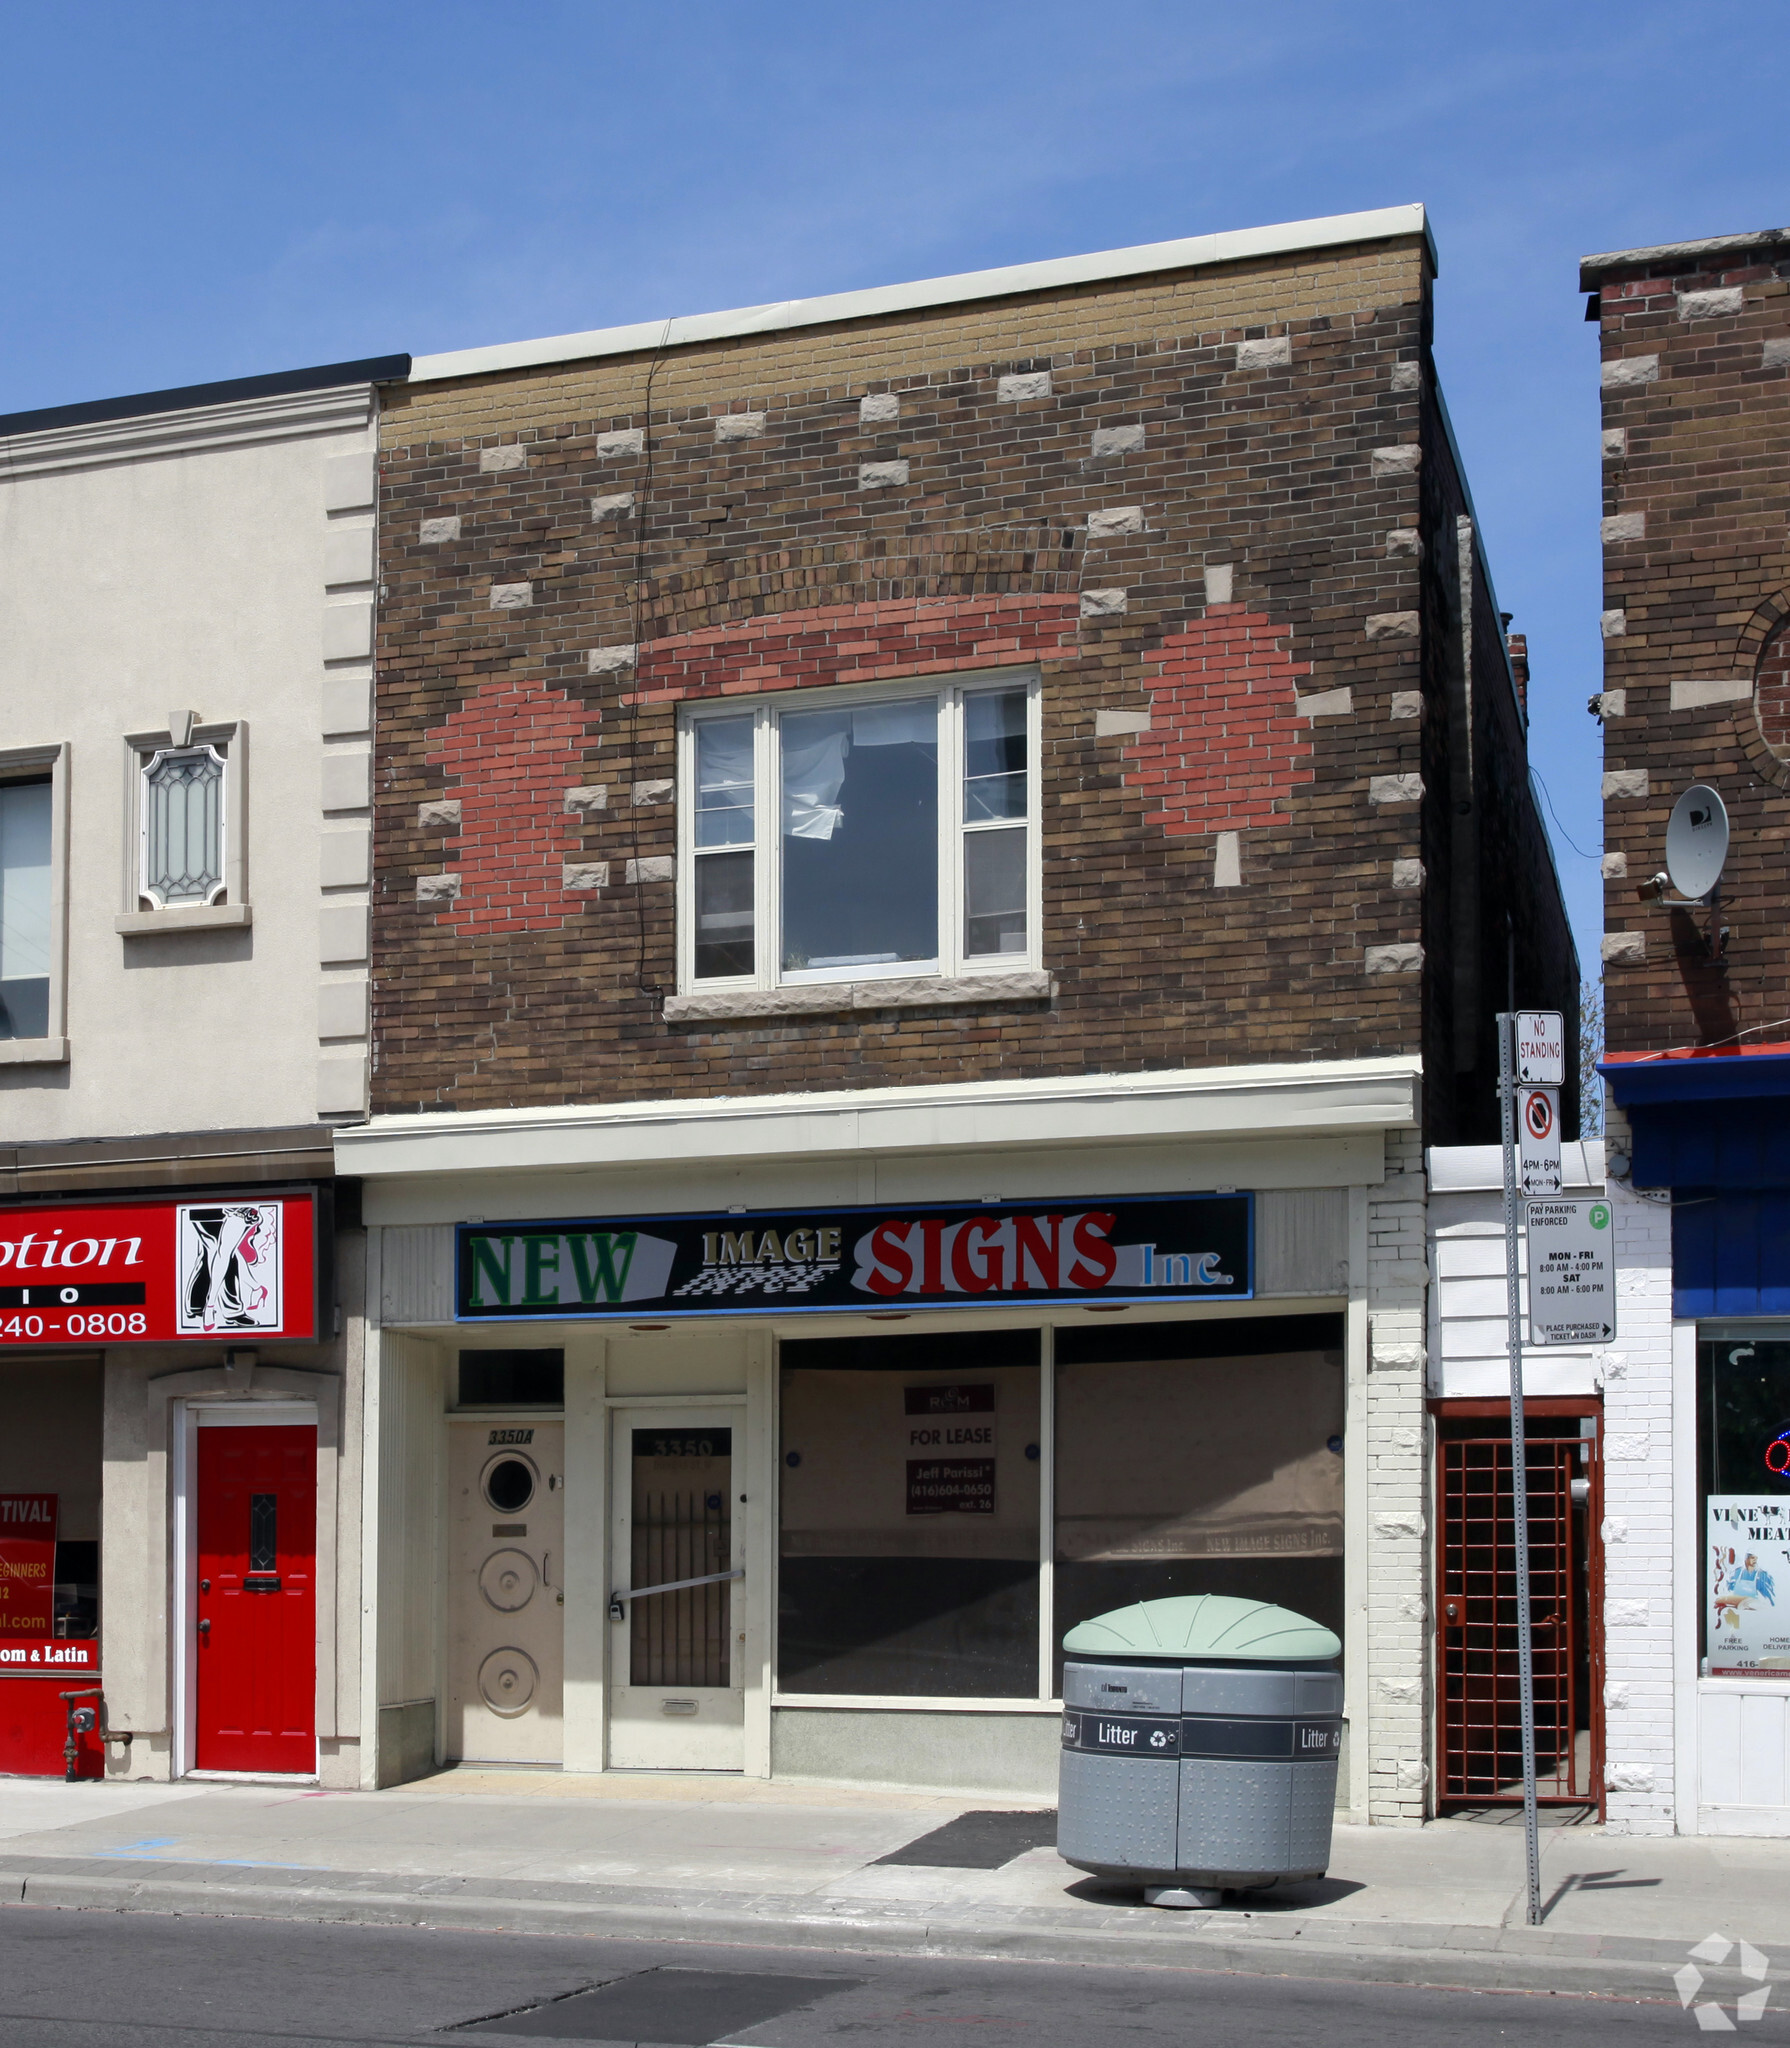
(1572, 1272)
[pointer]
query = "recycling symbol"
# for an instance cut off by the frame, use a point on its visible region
(1712, 2018)
(1158, 1740)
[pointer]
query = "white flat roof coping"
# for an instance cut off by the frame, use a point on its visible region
(1236, 246)
(1328, 1095)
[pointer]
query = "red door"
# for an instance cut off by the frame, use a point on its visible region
(257, 1599)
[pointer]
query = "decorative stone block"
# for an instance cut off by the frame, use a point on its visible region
(342, 1083)
(1612, 624)
(1407, 377)
(1624, 949)
(1326, 703)
(657, 791)
(1615, 443)
(1107, 444)
(347, 781)
(577, 875)
(1406, 958)
(348, 554)
(436, 891)
(1266, 352)
(433, 532)
(1628, 1777)
(1625, 782)
(1108, 724)
(1218, 582)
(342, 1009)
(878, 408)
(1394, 625)
(1621, 526)
(1405, 788)
(1115, 520)
(1407, 876)
(347, 632)
(609, 661)
(1396, 1527)
(347, 704)
(342, 934)
(739, 426)
(656, 867)
(500, 461)
(1624, 372)
(440, 813)
(1720, 303)
(512, 597)
(621, 442)
(1407, 703)
(349, 482)
(881, 476)
(1023, 386)
(1227, 861)
(616, 506)
(1405, 541)
(1614, 867)
(1405, 460)
(345, 859)
(1101, 604)
(1627, 1613)
(1776, 353)
(591, 797)
(1699, 696)
(1608, 704)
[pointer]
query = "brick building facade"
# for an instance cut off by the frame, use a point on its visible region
(1149, 585)
(1696, 460)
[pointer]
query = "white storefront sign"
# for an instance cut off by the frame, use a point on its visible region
(1747, 1585)
(1572, 1272)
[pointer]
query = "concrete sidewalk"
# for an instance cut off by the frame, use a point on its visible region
(726, 1859)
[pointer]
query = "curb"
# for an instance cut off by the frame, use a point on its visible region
(1431, 1957)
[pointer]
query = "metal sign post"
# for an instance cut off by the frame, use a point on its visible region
(1518, 1042)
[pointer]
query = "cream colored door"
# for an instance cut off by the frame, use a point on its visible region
(677, 1694)
(506, 1607)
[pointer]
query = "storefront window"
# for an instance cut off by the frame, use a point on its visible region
(910, 1502)
(49, 1501)
(1200, 1458)
(1743, 1458)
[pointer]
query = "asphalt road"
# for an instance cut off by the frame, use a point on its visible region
(108, 1980)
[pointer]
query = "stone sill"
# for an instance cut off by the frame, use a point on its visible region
(33, 1052)
(807, 999)
(199, 917)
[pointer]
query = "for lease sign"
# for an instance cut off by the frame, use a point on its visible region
(152, 1272)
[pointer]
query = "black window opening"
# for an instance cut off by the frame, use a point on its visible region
(77, 1589)
(264, 1532)
(512, 1379)
(910, 1516)
(27, 934)
(1190, 1458)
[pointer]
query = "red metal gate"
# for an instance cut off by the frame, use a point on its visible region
(1481, 1729)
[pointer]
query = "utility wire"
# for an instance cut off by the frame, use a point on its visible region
(1535, 775)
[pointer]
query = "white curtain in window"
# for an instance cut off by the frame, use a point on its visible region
(816, 743)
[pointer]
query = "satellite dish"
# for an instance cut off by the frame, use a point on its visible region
(1697, 841)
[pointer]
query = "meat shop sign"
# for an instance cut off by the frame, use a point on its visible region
(1158, 1248)
(226, 1268)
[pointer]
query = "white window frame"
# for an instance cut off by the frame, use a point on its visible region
(31, 764)
(141, 914)
(950, 693)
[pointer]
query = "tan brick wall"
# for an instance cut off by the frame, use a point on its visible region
(1696, 417)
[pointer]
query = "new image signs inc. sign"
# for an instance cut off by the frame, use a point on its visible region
(1159, 1248)
(229, 1267)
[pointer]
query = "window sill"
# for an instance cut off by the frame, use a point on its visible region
(207, 917)
(809, 999)
(33, 1052)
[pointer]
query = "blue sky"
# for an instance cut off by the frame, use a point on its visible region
(209, 191)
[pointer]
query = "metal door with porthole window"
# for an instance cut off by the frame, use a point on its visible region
(506, 1613)
(677, 1618)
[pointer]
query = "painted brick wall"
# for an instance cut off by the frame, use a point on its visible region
(545, 534)
(1696, 464)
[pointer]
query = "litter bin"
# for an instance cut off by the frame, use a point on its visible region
(1200, 1744)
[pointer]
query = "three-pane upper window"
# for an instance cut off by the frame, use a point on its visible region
(881, 833)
